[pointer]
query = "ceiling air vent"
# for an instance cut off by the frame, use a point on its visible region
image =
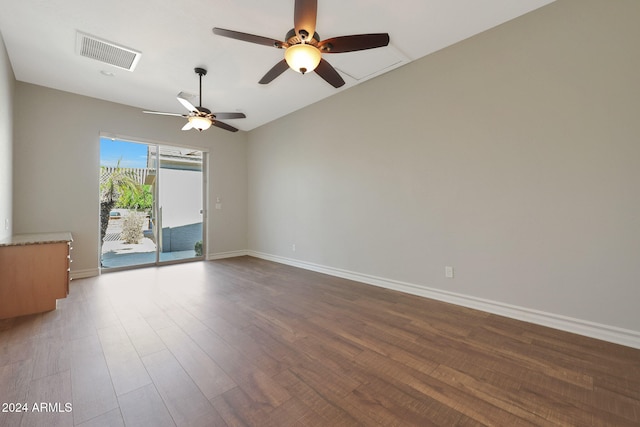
(107, 52)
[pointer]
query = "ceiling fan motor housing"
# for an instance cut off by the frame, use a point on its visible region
(293, 39)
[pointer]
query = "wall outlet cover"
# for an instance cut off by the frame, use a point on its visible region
(448, 272)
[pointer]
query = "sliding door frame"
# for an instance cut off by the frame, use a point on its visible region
(156, 207)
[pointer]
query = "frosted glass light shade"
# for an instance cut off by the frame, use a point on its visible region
(303, 57)
(200, 123)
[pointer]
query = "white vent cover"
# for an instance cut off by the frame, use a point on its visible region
(107, 52)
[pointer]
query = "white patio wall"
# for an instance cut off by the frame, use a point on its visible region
(180, 196)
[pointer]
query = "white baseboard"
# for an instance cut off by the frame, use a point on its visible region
(222, 255)
(582, 327)
(83, 274)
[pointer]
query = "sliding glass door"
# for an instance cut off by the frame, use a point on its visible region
(151, 202)
(180, 205)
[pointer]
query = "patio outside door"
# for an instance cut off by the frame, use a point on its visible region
(157, 211)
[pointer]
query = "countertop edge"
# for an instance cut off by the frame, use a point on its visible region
(37, 239)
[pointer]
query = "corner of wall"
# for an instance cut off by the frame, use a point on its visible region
(7, 90)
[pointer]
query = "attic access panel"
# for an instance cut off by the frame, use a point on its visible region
(365, 64)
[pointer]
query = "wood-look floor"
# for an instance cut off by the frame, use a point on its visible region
(246, 342)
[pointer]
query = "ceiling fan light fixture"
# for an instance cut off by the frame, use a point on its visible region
(302, 58)
(200, 123)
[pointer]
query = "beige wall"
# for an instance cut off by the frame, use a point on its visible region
(56, 165)
(513, 157)
(7, 83)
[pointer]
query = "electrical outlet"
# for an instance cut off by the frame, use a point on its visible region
(293, 247)
(6, 223)
(448, 272)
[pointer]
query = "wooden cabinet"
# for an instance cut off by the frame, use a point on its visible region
(34, 272)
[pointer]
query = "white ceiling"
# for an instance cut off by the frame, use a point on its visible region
(175, 36)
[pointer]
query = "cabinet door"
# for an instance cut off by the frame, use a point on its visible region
(32, 277)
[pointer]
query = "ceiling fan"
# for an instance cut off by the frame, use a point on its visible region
(201, 118)
(303, 47)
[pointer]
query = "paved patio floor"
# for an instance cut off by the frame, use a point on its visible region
(116, 253)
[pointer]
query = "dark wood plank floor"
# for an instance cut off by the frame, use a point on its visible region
(246, 342)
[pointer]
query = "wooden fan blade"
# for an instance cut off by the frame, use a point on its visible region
(248, 37)
(304, 17)
(187, 104)
(225, 116)
(329, 74)
(224, 126)
(353, 43)
(165, 114)
(277, 69)
(188, 126)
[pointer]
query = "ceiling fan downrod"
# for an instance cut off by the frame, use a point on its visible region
(201, 72)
